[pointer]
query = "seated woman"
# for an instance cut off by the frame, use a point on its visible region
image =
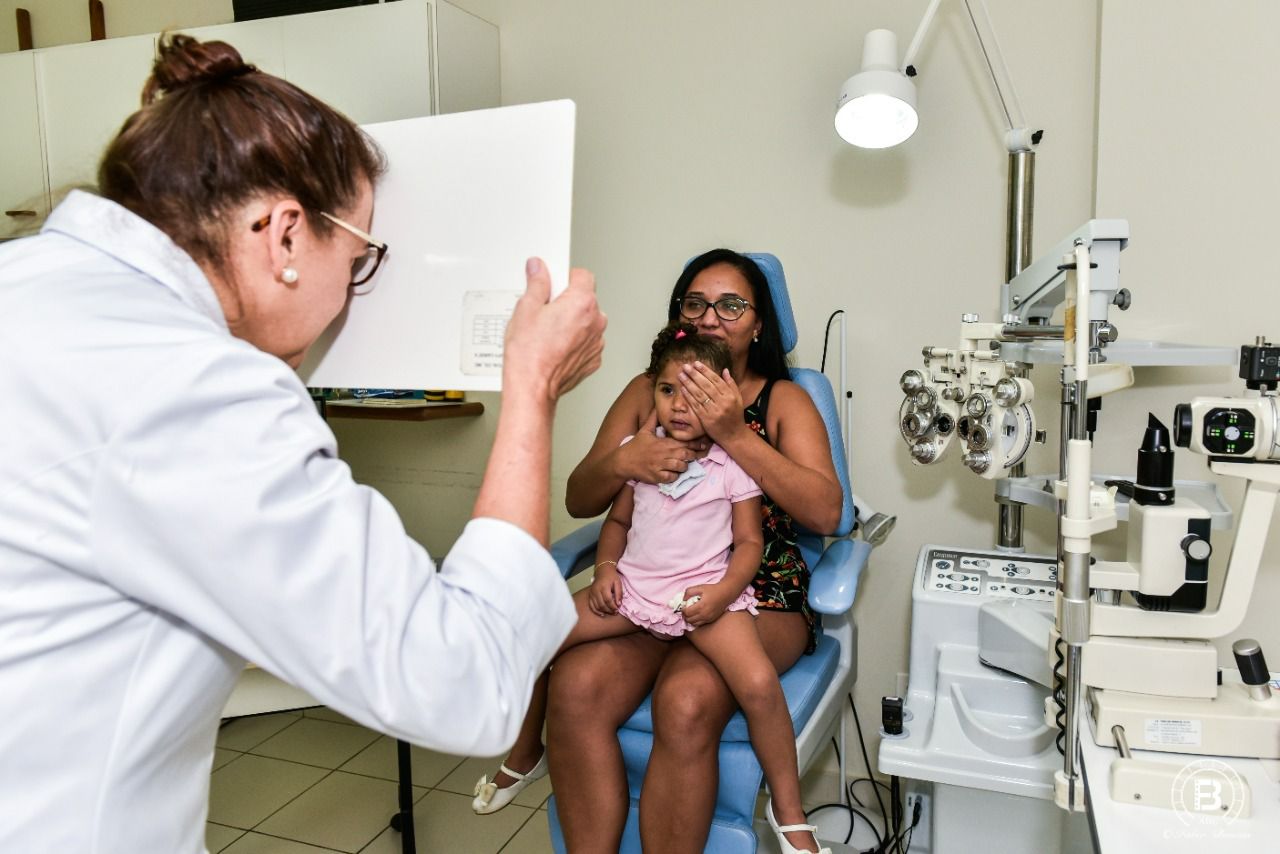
(596, 686)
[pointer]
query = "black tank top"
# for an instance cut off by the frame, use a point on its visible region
(782, 582)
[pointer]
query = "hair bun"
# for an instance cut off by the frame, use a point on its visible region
(183, 61)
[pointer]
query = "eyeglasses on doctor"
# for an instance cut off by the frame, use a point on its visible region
(362, 268)
(727, 308)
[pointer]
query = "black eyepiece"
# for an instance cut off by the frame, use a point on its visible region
(1182, 425)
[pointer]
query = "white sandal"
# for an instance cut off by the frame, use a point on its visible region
(786, 847)
(489, 798)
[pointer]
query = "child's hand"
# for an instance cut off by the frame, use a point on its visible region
(715, 600)
(606, 592)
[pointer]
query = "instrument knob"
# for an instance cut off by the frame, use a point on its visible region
(1008, 392)
(924, 452)
(1253, 668)
(978, 461)
(1196, 547)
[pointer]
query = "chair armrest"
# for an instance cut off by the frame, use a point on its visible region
(833, 584)
(573, 552)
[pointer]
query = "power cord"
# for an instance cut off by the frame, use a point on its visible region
(826, 338)
(891, 841)
(854, 814)
(855, 782)
(910, 831)
(867, 762)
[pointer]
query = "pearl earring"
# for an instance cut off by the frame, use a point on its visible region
(755, 338)
(289, 275)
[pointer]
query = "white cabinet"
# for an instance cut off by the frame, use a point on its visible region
(24, 199)
(259, 42)
(86, 93)
(375, 63)
(371, 62)
(466, 61)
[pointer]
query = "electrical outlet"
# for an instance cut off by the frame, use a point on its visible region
(900, 689)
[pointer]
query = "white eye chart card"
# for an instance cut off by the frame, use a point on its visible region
(467, 199)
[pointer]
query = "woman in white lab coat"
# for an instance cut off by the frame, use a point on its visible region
(172, 505)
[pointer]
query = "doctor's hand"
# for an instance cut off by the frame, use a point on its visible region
(553, 344)
(650, 458)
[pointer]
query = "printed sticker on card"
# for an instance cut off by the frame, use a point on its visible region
(484, 326)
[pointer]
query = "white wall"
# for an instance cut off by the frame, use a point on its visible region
(704, 124)
(55, 22)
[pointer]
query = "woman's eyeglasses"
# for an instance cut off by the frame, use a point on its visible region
(727, 308)
(362, 268)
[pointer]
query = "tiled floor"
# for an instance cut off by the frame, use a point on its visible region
(312, 782)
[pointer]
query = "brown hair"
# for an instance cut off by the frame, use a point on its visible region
(680, 340)
(214, 133)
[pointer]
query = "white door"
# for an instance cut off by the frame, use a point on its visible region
(24, 201)
(86, 93)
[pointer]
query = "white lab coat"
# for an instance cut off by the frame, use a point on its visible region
(172, 505)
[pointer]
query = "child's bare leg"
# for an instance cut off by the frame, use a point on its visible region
(733, 645)
(528, 749)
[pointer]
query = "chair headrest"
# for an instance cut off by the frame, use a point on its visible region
(772, 269)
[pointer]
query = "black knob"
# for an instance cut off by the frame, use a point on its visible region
(1253, 667)
(1182, 425)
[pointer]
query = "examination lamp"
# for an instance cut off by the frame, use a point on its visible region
(877, 106)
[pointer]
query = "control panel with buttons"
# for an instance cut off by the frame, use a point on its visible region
(992, 574)
(1229, 431)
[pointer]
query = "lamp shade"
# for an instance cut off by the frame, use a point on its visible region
(877, 106)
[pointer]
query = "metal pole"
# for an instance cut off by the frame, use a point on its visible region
(1022, 178)
(1022, 173)
(1073, 579)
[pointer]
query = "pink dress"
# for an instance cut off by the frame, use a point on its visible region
(676, 543)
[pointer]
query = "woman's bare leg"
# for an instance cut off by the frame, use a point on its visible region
(691, 705)
(594, 688)
(732, 644)
(527, 750)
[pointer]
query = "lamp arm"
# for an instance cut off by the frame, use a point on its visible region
(918, 38)
(996, 67)
(1019, 138)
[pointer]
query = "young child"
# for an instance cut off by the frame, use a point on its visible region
(677, 560)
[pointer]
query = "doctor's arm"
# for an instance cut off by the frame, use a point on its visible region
(549, 349)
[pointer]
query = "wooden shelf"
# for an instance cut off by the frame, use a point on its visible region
(402, 412)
